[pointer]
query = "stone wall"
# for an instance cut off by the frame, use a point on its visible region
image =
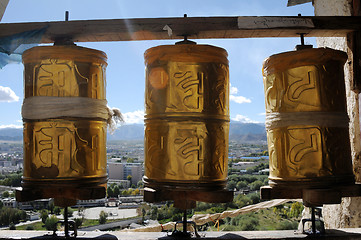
(348, 213)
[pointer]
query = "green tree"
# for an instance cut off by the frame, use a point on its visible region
(70, 212)
(241, 185)
(153, 213)
(129, 177)
(231, 185)
(78, 222)
(51, 223)
(116, 191)
(256, 185)
(296, 210)
(11, 215)
(255, 197)
(125, 193)
(51, 207)
(140, 184)
(130, 160)
(44, 215)
(57, 210)
(103, 217)
(136, 192)
(12, 226)
(5, 194)
(110, 191)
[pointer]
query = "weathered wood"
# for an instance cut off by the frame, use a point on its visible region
(312, 197)
(160, 195)
(30, 194)
(195, 27)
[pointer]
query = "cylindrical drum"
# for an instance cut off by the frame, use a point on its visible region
(64, 141)
(306, 119)
(187, 117)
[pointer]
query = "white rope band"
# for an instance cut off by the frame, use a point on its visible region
(43, 107)
(323, 119)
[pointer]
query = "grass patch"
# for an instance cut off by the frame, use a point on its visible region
(35, 226)
(262, 220)
(39, 226)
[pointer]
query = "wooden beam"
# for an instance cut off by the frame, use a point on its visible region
(195, 27)
(3, 5)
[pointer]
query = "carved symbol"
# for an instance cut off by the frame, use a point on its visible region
(190, 88)
(57, 145)
(219, 160)
(271, 95)
(190, 147)
(273, 158)
(57, 78)
(157, 159)
(220, 87)
(304, 142)
(299, 85)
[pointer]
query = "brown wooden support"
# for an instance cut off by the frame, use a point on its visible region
(313, 196)
(186, 199)
(194, 27)
(64, 196)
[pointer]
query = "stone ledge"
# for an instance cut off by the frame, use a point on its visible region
(344, 234)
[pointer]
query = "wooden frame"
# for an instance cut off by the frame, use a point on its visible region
(194, 27)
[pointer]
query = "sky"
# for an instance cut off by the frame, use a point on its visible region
(125, 75)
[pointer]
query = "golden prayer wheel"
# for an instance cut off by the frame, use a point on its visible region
(64, 148)
(186, 117)
(306, 119)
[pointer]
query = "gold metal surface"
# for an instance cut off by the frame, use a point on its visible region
(65, 150)
(64, 71)
(69, 152)
(187, 117)
(308, 81)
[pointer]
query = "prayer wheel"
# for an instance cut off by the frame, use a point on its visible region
(64, 120)
(306, 119)
(186, 117)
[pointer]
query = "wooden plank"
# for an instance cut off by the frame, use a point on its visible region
(160, 195)
(3, 5)
(312, 196)
(195, 27)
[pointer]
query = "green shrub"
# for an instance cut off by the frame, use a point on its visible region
(44, 215)
(103, 217)
(287, 225)
(229, 228)
(51, 223)
(78, 222)
(57, 210)
(30, 227)
(12, 226)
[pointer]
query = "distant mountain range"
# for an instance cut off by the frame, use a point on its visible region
(244, 132)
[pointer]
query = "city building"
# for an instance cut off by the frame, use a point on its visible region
(121, 171)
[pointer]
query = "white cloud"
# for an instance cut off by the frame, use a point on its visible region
(11, 126)
(133, 117)
(7, 95)
(244, 119)
(239, 99)
(233, 90)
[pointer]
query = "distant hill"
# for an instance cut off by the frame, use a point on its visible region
(128, 132)
(244, 132)
(247, 132)
(11, 134)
